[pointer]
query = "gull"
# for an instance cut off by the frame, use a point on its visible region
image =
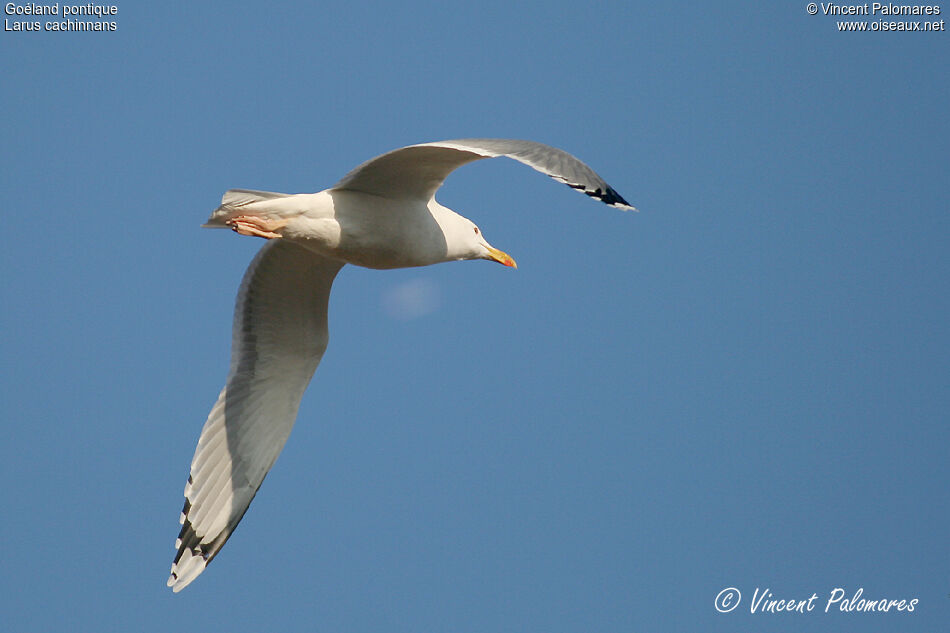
(382, 214)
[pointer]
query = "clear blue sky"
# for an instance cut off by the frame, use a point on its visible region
(744, 385)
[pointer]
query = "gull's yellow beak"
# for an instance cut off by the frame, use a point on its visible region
(501, 257)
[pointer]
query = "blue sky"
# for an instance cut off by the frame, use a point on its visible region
(744, 385)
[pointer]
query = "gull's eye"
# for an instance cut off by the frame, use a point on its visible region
(476, 230)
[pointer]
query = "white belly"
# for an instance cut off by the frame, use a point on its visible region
(367, 230)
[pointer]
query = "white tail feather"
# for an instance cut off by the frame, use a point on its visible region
(234, 200)
(243, 197)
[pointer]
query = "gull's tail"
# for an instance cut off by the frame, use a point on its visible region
(238, 202)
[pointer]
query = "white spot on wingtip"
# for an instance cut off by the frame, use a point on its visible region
(188, 567)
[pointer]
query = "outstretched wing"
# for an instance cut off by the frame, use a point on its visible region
(418, 171)
(280, 334)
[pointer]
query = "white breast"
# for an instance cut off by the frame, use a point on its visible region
(370, 231)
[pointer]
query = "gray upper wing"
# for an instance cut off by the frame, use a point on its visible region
(417, 171)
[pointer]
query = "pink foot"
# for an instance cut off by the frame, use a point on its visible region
(252, 225)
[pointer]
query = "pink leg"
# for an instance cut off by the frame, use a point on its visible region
(252, 225)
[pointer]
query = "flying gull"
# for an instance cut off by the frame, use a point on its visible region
(383, 214)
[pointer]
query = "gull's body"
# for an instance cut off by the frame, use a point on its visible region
(383, 214)
(355, 227)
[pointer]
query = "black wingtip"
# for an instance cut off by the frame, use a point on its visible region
(609, 196)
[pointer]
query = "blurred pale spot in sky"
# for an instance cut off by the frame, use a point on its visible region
(411, 299)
